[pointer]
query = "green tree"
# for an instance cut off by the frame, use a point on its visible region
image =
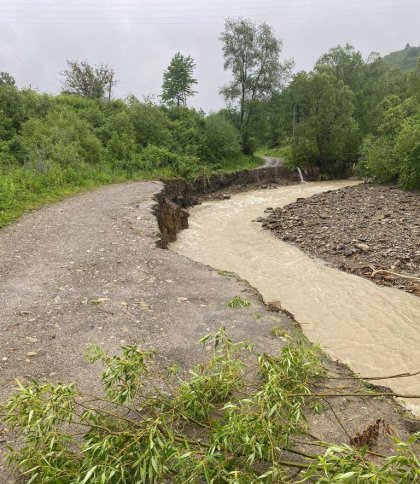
(83, 79)
(326, 132)
(6, 79)
(252, 54)
(392, 154)
(178, 80)
(364, 77)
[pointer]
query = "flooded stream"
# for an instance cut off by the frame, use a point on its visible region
(374, 329)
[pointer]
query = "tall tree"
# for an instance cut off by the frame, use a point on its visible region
(6, 79)
(252, 54)
(178, 80)
(94, 82)
(365, 77)
(326, 133)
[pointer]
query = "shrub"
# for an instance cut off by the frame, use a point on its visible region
(378, 159)
(407, 149)
(221, 140)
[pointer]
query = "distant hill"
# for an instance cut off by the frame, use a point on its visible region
(404, 59)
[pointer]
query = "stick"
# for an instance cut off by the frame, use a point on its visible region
(400, 375)
(381, 271)
(335, 395)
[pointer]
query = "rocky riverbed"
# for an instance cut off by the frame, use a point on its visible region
(369, 230)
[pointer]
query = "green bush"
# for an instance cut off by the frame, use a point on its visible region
(408, 151)
(304, 153)
(63, 137)
(150, 124)
(378, 159)
(221, 140)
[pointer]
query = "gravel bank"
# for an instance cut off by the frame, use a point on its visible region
(369, 230)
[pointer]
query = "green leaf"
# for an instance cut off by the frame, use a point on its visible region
(89, 474)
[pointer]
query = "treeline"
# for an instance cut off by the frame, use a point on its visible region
(54, 145)
(347, 115)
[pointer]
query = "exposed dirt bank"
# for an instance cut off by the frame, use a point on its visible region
(369, 230)
(178, 195)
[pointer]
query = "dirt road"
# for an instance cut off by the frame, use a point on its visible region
(270, 161)
(87, 270)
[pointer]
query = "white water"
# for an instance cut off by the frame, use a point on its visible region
(374, 329)
(300, 175)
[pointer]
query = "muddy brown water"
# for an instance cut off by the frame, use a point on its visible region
(373, 329)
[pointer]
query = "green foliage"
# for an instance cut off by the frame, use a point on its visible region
(232, 420)
(238, 302)
(62, 137)
(216, 381)
(221, 140)
(6, 79)
(345, 464)
(122, 379)
(150, 124)
(178, 80)
(393, 155)
(159, 157)
(348, 112)
(52, 146)
(251, 53)
(405, 59)
(326, 133)
(378, 159)
(93, 82)
(407, 149)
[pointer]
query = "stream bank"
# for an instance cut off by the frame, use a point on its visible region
(369, 230)
(178, 195)
(334, 308)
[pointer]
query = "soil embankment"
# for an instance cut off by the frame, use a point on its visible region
(177, 195)
(372, 231)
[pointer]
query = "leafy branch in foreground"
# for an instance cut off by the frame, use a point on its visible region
(232, 420)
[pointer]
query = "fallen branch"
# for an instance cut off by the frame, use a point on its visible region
(338, 395)
(400, 375)
(382, 271)
(338, 420)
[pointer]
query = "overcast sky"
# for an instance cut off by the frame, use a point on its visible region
(139, 37)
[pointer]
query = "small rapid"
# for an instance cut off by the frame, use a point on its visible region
(373, 329)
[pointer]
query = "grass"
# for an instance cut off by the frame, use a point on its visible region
(242, 163)
(238, 302)
(23, 189)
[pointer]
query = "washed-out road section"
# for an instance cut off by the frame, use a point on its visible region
(87, 270)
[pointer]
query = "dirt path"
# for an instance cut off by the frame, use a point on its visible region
(87, 270)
